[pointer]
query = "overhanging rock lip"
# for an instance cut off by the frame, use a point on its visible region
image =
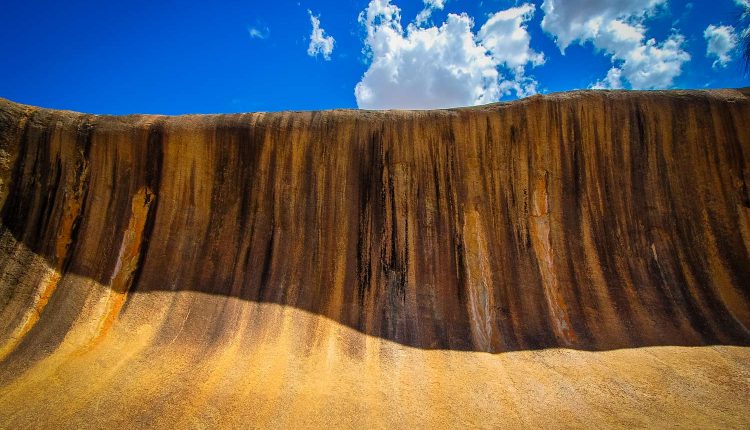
(723, 93)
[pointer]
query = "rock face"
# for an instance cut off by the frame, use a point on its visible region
(319, 263)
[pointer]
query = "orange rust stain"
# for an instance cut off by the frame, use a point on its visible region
(540, 238)
(70, 215)
(127, 262)
(46, 288)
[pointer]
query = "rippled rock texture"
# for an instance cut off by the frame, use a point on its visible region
(354, 268)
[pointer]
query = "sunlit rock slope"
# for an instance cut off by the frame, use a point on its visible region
(575, 259)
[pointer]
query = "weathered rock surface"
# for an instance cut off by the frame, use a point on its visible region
(353, 268)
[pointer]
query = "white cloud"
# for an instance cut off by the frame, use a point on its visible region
(319, 42)
(613, 80)
(258, 32)
(617, 28)
(505, 35)
(721, 41)
(646, 64)
(571, 20)
(426, 13)
(446, 65)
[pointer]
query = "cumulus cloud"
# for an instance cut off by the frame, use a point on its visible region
(506, 37)
(613, 80)
(617, 28)
(319, 42)
(721, 41)
(447, 65)
(572, 20)
(426, 13)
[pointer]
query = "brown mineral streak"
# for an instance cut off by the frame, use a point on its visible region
(355, 268)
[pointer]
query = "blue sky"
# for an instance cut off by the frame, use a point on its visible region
(195, 57)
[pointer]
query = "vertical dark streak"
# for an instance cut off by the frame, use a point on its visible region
(83, 145)
(154, 158)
